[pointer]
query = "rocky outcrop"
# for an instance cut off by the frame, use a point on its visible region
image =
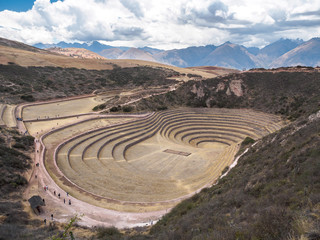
(236, 87)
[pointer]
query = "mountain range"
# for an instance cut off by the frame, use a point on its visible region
(282, 53)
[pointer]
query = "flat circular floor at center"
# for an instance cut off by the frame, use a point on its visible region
(130, 162)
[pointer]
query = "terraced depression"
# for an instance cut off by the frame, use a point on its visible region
(149, 162)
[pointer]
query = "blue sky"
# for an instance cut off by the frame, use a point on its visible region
(17, 5)
(164, 24)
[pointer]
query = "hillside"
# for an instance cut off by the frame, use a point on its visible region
(18, 45)
(272, 193)
(187, 57)
(135, 53)
(306, 54)
(231, 56)
(292, 92)
(75, 52)
(15, 161)
(19, 84)
(94, 47)
(112, 53)
(274, 50)
(25, 57)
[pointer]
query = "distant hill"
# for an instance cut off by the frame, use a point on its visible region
(112, 53)
(14, 44)
(75, 52)
(95, 46)
(135, 53)
(171, 57)
(270, 52)
(151, 50)
(282, 53)
(253, 50)
(306, 54)
(187, 57)
(280, 47)
(231, 56)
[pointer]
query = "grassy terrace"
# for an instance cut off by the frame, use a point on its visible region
(124, 167)
(7, 117)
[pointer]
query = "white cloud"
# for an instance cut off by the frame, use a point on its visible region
(165, 24)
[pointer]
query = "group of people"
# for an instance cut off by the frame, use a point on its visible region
(46, 188)
(64, 200)
(59, 196)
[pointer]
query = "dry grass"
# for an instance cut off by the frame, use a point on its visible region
(41, 127)
(63, 108)
(8, 116)
(144, 172)
(41, 59)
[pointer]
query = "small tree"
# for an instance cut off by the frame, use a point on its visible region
(67, 232)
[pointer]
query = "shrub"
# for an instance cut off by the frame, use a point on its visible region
(274, 223)
(190, 75)
(247, 141)
(18, 180)
(28, 98)
(107, 232)
(99, 107)
(162, 108)
(67, 230)
(27, 141)
(19, 146)
(127, 108)
(115, 109)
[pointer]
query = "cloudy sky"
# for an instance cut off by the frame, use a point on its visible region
(164, 24)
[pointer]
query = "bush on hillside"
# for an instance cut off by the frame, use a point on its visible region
(247, 141)
(108, 233)
(28, 98)
(127, 108)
